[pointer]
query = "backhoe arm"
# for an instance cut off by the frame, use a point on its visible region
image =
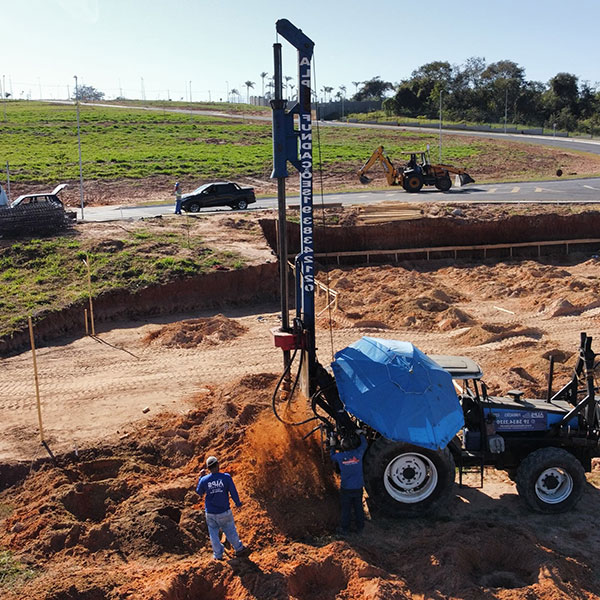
(379, 155)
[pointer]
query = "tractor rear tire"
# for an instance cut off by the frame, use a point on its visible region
(550, 480)
(413, 182)
(443, 184)
(403, 480)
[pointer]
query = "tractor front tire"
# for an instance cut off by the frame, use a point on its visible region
(443, 184)
(403, 480)
(413, 182)
(550, 480)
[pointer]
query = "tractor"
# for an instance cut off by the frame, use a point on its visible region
(419, 171)
(423, 416)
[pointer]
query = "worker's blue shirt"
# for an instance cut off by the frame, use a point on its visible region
(217, 487)
(351, 465)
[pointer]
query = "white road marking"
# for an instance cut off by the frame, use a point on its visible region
(539, 189)
(515, 190)
(589, 187)
(491, 190)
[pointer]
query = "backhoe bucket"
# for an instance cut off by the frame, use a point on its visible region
(463, 179)
(364, 179)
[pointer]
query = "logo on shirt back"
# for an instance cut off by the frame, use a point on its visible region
(351, 461)
(214, 485)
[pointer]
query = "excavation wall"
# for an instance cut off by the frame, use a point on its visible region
(213, 290)
(421, 233)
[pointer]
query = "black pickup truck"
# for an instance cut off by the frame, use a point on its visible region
(221, 193)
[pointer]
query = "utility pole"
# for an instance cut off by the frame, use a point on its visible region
(79, 145)
(190, 92)
(440, 126)
(40, 87)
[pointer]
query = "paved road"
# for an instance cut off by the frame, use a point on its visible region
(554, 192)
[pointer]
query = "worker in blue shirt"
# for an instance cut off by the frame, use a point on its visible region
(350, 461)
(218, 487)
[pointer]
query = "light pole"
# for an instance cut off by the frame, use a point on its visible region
(505, 108)
(227, 82)
(79, 145)
(190, 92)
(440, 144)
(553, 129)
(4, 96)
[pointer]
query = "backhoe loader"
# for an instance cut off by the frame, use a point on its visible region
(417, 172)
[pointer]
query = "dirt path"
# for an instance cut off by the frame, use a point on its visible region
(506, 316)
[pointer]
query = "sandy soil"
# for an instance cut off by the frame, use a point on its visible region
(120, 520)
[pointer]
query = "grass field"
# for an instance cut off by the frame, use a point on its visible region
(40, 143)
(38, 274)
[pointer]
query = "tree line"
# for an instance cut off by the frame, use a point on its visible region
(485, 93)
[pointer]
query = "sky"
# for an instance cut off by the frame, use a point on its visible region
(200, 49)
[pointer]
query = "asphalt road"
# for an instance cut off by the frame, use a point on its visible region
(555, 191)
(552, 192)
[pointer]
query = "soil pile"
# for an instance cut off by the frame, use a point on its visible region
(122, 521)
(196, 332)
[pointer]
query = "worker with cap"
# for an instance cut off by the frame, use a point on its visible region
(349, 459)
(218, 487)
(177, 198)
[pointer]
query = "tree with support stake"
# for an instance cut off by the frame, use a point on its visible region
(86, 262)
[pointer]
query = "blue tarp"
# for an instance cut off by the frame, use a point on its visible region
(399, 391)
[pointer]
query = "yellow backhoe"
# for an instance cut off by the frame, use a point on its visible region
(417, 172)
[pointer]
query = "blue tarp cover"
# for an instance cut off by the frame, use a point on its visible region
(399, 391)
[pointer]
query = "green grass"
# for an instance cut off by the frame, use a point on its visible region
(40, 274)
(12, 572)
(40, 143)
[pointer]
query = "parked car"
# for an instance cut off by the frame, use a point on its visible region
(41, 197)
(221, 193)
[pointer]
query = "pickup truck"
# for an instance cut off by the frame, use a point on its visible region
(221, 193)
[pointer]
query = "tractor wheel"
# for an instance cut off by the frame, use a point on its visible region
(550, 480)
(241, 205)
(443, 184)
(194, 207)
(413, 182)
(403, 480)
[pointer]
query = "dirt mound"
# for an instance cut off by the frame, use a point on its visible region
(194, 332)
(488, 333)
(122, 522)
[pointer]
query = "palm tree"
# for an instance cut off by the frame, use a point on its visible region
(248, 84)
(292, 88)
(343, 96)
(327, 90)
(287, 79)
(234, 92)
(356, 84)
(262, 76)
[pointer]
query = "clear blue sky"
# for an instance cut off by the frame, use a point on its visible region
(219, 44)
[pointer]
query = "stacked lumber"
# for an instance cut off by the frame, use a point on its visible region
(384, 212)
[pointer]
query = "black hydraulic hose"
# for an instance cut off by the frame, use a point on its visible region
(274, 397)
